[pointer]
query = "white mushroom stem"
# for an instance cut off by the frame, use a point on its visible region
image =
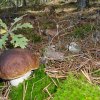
(15, 82)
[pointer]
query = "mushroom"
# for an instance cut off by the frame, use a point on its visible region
(17, 65)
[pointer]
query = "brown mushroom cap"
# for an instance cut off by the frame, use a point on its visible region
(14, 63)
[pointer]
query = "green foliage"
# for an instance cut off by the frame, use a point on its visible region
(2, 40)
(35, 87)
(19, 41)
(3, 25)
(16, 20)
(77, 89)
(82, 31)
(15, 39)
(33, 36)
(20, 26)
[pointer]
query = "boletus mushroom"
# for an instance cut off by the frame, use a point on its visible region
(17, 65)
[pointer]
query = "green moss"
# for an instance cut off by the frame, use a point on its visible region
(77, 89)
(82, 31)
(35, 87)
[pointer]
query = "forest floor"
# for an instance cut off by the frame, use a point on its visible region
(54, 28)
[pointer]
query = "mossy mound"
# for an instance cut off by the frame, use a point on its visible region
(77, 89)
(33, 88)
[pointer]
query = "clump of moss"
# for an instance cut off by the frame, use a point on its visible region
(82, 31)
(77, 89)
(35, 87)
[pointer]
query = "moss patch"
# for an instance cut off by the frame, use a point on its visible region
(77, 89)
(82, 31)
(35, 88)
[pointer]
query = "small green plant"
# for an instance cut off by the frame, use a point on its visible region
(7, 34)
(82, 31)
(77, 89)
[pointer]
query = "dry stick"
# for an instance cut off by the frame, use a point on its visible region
(95, 71)
(61, 31)
(55, 34)
(24, 89)
(96, 78)
(56, 76)
(97, 82)
(82, 64)
(48, 98)
(7, 92)
(89, 55)
(71, 56)
(3, 98)
(39, 80)
(87, 76)
(54, 81)
(52, 70)
(6, 87)
(39, 28)
(62, 21)
(58, 80)
(32, 90)
(33, 76)
(46, 89)
(2, 86)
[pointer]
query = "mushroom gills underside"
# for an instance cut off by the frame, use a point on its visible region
(17, 81)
